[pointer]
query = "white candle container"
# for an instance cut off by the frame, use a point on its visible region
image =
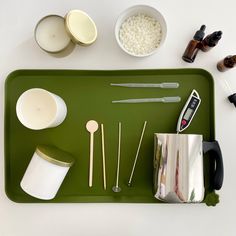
(46, 172)
(51, 35)
(39, 109)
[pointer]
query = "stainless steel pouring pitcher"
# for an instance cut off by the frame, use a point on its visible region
(178, 167)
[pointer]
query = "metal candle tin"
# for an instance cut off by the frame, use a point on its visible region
(55, 34)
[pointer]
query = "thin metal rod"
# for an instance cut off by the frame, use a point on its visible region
(137, 153)
(103, 159)
(118, 156)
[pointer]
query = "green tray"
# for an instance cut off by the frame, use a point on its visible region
(88, 95)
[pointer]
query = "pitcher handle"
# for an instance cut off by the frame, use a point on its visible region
(214, 151)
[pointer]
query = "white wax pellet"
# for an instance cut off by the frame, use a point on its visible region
(140, 34)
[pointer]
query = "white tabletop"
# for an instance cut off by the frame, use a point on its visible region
(18, 50)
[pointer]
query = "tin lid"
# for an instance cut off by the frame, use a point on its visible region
(55, 156)
(80, 27)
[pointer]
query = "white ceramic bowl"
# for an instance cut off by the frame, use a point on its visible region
(147, 10)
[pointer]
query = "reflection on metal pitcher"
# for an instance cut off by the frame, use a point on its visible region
(178, 168)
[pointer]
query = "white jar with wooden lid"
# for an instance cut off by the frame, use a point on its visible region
(46, 172)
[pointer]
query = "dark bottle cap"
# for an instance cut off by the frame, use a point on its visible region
(232, 99)
(199, 35)
(229, 61)
(214, 38)
(234, 58)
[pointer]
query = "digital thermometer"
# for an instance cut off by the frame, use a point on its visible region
(188, 111)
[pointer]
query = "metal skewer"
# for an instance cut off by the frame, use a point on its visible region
(116, 188)
(137, 153)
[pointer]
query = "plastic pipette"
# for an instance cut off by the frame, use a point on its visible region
(146, 100)
(144, 85)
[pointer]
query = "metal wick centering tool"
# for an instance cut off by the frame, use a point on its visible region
(137, 153)
(116, 188)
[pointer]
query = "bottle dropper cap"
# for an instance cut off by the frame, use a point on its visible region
(199, 35)
(232, 99)
(234, 58)
(214, 38)
(218, 34)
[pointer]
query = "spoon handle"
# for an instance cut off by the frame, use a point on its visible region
(91, 160)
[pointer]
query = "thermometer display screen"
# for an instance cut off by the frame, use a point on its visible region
(188, 114)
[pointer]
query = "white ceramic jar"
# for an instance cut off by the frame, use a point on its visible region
(39, 109)
(46, 172)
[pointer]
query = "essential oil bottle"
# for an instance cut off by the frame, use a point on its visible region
(227, 63)
(210, 41)
(193, 46)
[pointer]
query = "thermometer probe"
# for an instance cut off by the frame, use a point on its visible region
(188, 111)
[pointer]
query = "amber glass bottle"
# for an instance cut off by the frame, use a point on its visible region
(193, 46)
(227, 63)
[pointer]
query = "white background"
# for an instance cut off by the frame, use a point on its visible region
(18, 50)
